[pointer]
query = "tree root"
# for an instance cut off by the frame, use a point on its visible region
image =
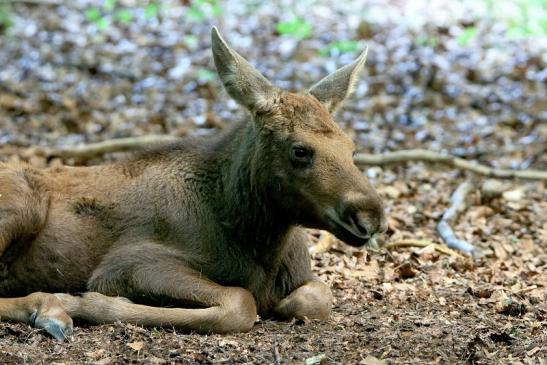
(452, 161)
(422, 243)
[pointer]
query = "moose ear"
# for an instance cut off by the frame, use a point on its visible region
(337, 86)
(245, 84)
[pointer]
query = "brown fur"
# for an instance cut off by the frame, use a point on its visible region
(209, 226)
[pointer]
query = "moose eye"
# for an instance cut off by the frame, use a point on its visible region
(301, 156)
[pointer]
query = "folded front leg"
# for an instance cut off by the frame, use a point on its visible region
(41, 310)
(149, 270)
(313, 300)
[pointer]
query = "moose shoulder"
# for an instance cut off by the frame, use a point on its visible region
(211, 228)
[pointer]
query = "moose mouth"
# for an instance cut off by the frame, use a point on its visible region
(349, 232)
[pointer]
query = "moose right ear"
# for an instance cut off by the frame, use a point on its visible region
(333, 89)
(242, 81)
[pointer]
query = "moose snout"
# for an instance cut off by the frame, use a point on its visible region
(359, 218)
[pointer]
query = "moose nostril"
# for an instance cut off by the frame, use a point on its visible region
(360, 224)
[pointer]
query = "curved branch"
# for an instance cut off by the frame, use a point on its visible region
(457, 205)
(92, 150)
(452, 161)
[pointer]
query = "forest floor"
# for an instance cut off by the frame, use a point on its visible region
(441, 76)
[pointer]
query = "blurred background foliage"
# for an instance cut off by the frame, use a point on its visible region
(467, 76)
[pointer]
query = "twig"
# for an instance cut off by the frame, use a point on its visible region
(421, 243)
(115, 145)
(435, 157)
(276, 357)
(457, 205)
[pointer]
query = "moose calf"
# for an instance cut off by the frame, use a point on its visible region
(210, 228)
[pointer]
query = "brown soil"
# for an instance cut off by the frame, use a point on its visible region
(407, 306)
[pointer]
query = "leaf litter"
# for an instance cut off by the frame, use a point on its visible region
(447, 80)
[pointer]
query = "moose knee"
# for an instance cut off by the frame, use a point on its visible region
(312, 300)
(238, 311)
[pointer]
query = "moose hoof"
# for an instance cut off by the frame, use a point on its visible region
(58, 328)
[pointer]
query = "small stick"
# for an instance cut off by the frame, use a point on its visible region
(452, 161)
(457, 205)
(92, 150)
(422, 243)
(277, 358)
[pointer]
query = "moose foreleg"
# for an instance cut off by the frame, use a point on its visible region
(149, 270)
(313, 300)
(40, 310)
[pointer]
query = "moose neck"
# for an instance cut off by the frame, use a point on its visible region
(251, 211)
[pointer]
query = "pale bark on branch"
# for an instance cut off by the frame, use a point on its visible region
(422, 243)
(92, 150)
(413, 155)
(422, 155)
(457, 205)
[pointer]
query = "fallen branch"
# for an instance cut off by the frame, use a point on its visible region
(457, 205)
(435, 157)
(143, 142)
(92, 150)
(421, 243)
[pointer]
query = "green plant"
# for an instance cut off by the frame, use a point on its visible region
(204, 75)
(201, 9)
(466, 36)
(5, 18)
(338, 47)
(296, 27)
(524, 18)
(426, 41)
(111, 12)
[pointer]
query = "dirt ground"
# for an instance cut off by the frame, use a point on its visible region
(439, 76)
(406, 306)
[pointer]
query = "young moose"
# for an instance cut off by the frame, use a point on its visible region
(209, 229)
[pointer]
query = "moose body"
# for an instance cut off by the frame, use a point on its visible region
(209, 227)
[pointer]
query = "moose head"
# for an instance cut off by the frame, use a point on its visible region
(311, 175)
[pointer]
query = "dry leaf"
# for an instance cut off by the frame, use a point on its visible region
(137, 346)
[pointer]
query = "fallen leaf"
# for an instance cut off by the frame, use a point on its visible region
(137, 346)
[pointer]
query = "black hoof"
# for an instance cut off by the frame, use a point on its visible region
(55, 327)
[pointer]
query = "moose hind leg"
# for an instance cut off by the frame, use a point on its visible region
(41, 310)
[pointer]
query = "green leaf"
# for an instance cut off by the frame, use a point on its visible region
(101, 24)
(297, 28)
(5, 18)
(151, 10)
(124, 16)
(93, 14)
(109, 5)
(467, 36)
(217, 9)
(205, 75)
(427, 41)
(195, 13)
(343, 46)
(191, 41)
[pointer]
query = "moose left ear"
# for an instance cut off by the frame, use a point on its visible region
(337, 86)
